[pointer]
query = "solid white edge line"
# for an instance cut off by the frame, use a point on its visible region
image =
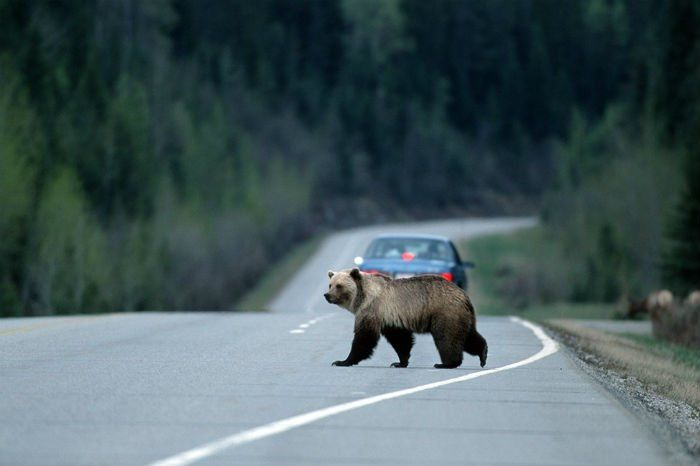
(549, 347)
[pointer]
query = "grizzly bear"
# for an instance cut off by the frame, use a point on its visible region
(396, 308)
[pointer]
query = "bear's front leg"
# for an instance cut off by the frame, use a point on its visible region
(343, 363)
(402, 342)
(366, 338)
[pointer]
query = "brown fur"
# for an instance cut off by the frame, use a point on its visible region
(398, 308)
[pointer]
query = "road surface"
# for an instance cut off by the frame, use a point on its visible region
(259, 389)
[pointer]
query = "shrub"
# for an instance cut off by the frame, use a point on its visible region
(677, 322)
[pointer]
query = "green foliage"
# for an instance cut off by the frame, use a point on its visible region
(20, 148)
(610, 208)
(375, 33)
(160, 154)
(17, 170)
(138, 274)
(126, 165)
(10, 303)
(208, 170)
(682, 259)
(677, 353)
(618, 182)
(677, 95)
(66, 264)
(677, 78)
(277, 277)
(518, 270)
(525, 272)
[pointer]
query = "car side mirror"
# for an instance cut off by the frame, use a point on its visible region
(468, 265)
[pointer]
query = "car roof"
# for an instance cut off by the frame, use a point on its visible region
(412, 236)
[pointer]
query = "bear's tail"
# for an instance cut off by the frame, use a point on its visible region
(476, 345)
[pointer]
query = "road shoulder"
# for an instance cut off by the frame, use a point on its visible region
(626, 370)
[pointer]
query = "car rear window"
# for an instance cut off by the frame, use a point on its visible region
(421, 248)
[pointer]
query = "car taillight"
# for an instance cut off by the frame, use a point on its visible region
(447, 276)
(407, 256)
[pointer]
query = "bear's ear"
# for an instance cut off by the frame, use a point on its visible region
(330, 274)
(355, 273)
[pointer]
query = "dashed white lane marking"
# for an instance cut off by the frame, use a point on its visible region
(549, 347)
(302, 327)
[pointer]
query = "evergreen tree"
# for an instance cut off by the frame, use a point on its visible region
(682, 262)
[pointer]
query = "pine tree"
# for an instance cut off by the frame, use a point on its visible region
(682, 262)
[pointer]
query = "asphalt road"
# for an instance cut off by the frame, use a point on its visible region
(258, 389)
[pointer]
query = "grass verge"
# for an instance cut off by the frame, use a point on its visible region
(678, 354)
(277, 276)
(490, 253)
(562, 310)
(497, 290)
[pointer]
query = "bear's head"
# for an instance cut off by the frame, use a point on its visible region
(343, 287)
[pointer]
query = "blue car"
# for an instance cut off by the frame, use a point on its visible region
(402, 256)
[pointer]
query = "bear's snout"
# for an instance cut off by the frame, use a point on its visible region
(328, 297)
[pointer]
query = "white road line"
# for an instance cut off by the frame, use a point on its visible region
(549, 347)
(305, 325)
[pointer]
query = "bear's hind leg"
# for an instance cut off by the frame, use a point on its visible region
(449, 346)
(450, 356)
(476, 345)
(402, 342)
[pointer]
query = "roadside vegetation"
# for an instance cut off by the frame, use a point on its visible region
(668, 369)
(163, 154)
(277, 276)
(677, 353)
(522, 273)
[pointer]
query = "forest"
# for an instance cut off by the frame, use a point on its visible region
(161, 154)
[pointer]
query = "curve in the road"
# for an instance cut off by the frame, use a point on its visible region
(185, 458)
